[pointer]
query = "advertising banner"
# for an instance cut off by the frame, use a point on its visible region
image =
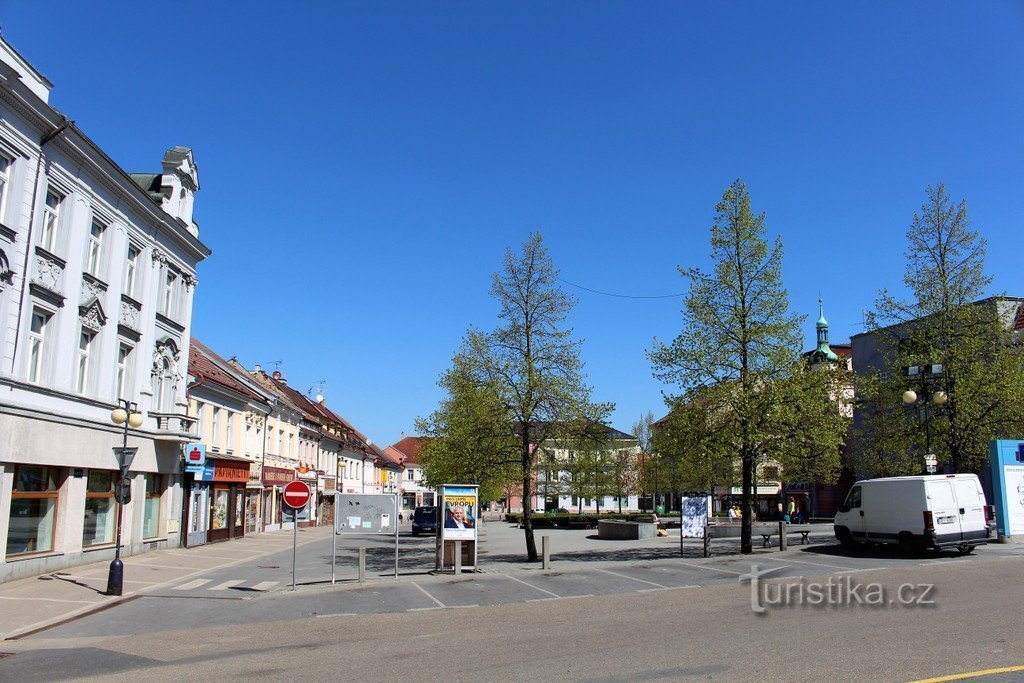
(694, 516)
(459, 516)
(1008, 486)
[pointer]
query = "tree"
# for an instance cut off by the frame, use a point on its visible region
(944, 323)
(738, 353)
(532, 365)
(471, 439)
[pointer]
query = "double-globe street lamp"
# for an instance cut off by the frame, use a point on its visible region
(126, 413)
(923, 404)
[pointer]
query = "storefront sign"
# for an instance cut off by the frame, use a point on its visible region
(226, 470)
(330, 484)
(277, 476)
(767, 490)
(255, 474)
(195, 457)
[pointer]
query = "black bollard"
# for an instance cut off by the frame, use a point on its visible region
(115, 577)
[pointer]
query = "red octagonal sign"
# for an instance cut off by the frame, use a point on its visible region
(296, 495)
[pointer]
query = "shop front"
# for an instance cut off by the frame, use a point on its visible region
(253, 497)
(327, 487)
(307, 515)
(216, 509)
(274, 480)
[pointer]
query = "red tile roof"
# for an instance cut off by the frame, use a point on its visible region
(409, 447)
(207, 366)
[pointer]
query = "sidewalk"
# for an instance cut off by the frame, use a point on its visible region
(40, 601)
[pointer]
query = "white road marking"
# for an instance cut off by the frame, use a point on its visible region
(87, 602)
(423, 590)
(192, 584)
(631, 578)
(264, 585)
(714, 569)
(817, 564)
(342, 614)
(226, 585)
(553, 595)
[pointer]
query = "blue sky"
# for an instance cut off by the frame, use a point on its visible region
(365, 165)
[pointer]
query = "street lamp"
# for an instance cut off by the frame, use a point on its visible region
(926, 374)
(126, 413)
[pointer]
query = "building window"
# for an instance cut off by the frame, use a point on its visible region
(33, 510)
(229, 443)
(5, 175)
(151, 514)
(124, 357)
(199, 419)
(51, 221)
(170, 296)
(37, 345)
(93, 258)
(82, 375)
(215, 426)
(131, 270)
(100, 508)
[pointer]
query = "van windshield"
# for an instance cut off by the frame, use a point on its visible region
(853, 500)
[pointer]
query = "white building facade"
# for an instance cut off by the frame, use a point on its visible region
(97, 274)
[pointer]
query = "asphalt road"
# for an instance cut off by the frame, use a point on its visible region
(666, 619)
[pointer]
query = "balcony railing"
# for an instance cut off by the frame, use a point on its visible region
(175, 422)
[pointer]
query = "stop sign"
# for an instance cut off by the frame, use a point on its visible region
(296, 494)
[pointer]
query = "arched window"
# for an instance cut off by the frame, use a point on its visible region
(165, 375)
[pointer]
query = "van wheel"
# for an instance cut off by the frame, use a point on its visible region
(906, 543)
(846, 539)
(965, 548)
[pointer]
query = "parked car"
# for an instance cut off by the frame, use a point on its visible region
(917, 513)
(424, 520)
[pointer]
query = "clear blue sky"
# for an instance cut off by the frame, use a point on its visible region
(365, 165)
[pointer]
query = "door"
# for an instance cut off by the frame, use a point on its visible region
(220, 513)
(945, 512)
(238, 508)
(971, 502)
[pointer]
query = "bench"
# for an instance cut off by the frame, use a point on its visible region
(765, 530)
(767, 534)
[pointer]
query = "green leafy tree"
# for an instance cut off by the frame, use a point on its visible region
(532, 364)
(471, 437)
(739, 350)
(943, 322)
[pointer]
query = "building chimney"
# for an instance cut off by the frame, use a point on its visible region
(257, 368)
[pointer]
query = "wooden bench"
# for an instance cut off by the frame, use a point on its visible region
(767, 534)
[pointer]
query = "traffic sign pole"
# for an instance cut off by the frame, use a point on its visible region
(296, 494)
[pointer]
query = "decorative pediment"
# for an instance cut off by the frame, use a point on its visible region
(91, 314)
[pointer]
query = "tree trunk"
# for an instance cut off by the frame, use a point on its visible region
(531, 544)
(746, 546)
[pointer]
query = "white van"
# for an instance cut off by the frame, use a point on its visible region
(929, 511)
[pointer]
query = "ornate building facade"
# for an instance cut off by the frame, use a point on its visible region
(97, 275)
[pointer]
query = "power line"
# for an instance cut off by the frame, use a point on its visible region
(621, 296)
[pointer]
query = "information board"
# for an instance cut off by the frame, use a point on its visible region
(366, 514)
(694, 514)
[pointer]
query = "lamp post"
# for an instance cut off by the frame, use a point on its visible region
(126, 413)
(927, 375)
